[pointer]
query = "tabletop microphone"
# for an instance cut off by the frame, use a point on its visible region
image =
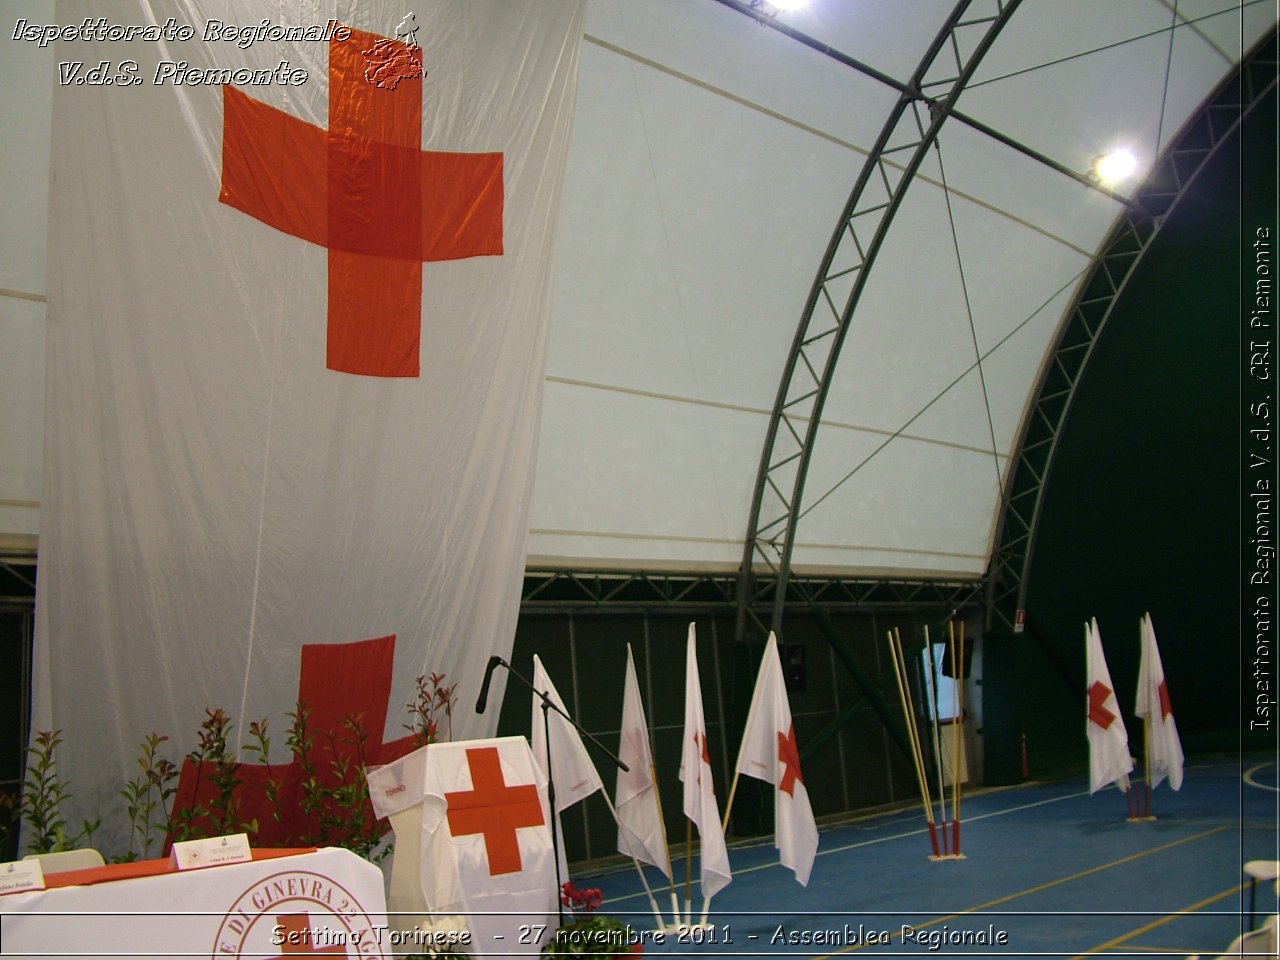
(488, 676)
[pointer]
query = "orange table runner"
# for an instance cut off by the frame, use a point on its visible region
(149, 868)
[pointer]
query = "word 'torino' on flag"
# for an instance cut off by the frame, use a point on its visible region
(695, 773)
(769, 753)
(1109, 760)
(1164, 748)
(640, 830)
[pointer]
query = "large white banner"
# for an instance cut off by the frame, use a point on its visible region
(300, 279)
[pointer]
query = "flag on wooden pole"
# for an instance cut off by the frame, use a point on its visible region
(1109, 760)
(700, 804)
(575, 775)
(1164, 749)
(769, 753)
(640, 829)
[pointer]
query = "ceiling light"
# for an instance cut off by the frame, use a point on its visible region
(771, 8)
(1114, 166)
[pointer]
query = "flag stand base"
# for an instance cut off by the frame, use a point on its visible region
(1146, 819)
(948, 856)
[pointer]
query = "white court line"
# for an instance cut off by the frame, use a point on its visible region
(866, 843)
(759, 841)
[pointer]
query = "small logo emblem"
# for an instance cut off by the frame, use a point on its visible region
(393, 60)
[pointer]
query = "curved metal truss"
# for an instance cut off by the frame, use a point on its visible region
(1129, 240)
(912, 127)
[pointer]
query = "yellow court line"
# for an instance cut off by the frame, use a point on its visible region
(1148, 927)
(1172, 951)
(1044, 886)
(1248, 777)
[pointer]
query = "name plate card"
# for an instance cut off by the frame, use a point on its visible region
(21, 875)
(211, 852)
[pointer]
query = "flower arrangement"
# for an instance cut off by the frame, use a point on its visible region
(332, 792)
(588, 933)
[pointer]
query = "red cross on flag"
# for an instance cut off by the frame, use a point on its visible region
(487, 849)
(695, 773)
(769, 753)
(303, 288)
(1164, 748)
(1109, 760)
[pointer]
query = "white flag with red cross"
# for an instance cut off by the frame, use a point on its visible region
(641, 832)
(700, 804)
(563, 754)
(1164, 748)
(1109, 760)
(769, 753)
(302, 293)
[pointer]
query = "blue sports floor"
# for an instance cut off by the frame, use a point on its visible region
(1048, 871)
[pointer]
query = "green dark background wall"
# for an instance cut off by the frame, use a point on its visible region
(1142, 510)
(852, 759)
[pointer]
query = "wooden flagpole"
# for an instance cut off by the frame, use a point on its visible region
(1146, 749)
(662, 822)
(913, 734)
(688, 868)
(733, 789)
(955, 734)
(1146, 725)
(936, 734)
(957, 718)
(653, 904)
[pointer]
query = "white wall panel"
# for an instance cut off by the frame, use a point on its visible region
(625, 476)
(711, 159)
(713, 45)
(22, 421)
(25, 112)
(912, 505)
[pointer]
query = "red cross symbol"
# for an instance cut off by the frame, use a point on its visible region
(789, 756)
(295, 929)
(1166, 705)
(365, 190)
(1098, 712)
(495, 810)
(337, 681)
(700, 739)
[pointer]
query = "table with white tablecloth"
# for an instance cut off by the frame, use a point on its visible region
(326, 902)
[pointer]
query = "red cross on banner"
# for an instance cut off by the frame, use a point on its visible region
(789, 756)
(295, 934)
(1166, 705)
(494, 809)
(337, 682)
(1098, 711)
(365, 190)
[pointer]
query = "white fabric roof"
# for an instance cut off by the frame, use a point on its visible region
(710, 160)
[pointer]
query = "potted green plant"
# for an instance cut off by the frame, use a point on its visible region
(589, 933)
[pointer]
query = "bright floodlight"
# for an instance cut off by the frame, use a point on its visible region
(786, 6)
(1114, 166)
